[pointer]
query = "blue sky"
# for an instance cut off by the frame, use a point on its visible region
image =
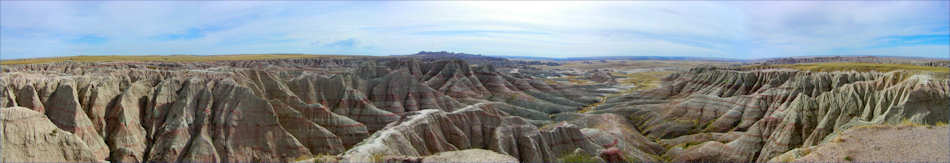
(745, 30)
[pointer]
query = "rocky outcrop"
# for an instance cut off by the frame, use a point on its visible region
(773, 111)
(469, 156)
(878, 143)
(617, 131)
(27, 97)
(124, 127)
(431, 131)
(600, 76)
(398, 92)
(28, 136)
(262, 111)
(65, 111)
(96, 96)
(454, 78)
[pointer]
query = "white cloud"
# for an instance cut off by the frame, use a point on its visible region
(558, 28)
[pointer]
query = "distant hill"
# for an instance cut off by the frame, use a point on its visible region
(865, 59)
(476, 59)
(426, 55)
(627, 58)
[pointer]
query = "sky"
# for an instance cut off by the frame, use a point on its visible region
(731, 29)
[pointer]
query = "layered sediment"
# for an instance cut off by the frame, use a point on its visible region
(378, 110)
(740, 116)
(252, 111)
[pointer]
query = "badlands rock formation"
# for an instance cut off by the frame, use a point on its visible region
(879, 143)
(28, 136)
(600, 76)
(269, 110)
(738, 116)
(393, 109)
(477, 126)
(469, 156)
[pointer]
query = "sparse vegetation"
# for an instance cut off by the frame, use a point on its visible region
(908, 122)
(941, 124)
(591, 107)
(688, 145)
(166, 58)
(855, 66)
(578, 158)
(627, 64)
(378, 157)
(838, 139)
(319, 158)
(848, 158)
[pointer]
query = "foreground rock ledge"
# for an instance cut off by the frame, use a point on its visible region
(878, 143)
(31, 137)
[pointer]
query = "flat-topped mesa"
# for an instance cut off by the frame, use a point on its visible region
(431, 131)
(776, 111)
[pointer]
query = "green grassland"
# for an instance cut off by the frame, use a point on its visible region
(167, 58)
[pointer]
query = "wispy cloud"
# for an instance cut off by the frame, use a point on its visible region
(89, 40)
(348, 43)
(559, 29)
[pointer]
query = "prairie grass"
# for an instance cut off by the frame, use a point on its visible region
(941, 124)
(590, 107)
(166, 58)
(855, 66)
(642, 80)
(578, 158)
(908, 122)
(378, 158)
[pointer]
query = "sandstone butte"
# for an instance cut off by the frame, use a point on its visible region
(407, 110)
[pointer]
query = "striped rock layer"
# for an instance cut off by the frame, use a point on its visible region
(271, 111)
(429, 132)
(741, 116)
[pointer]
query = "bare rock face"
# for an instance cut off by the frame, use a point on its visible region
(530, 93)
(124, 125)
(64, 110)
(877, 144)
(341, 93)
(287, 110)
(318, 139)
(187, 119)
(7, 97)
(454, 78)
(756, 115)
(431, 131)
(27, 97)
(253, 125)
(600, 76)
(398, 92)
(616, 131)
(469, 156)
(28, 136)
(96, 96)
